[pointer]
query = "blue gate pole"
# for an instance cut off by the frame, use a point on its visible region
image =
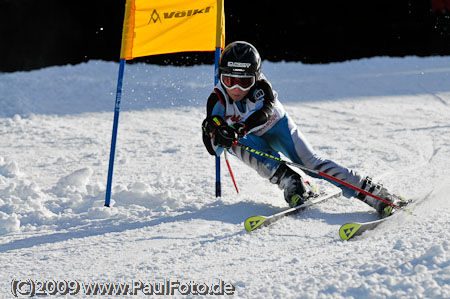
(216, 80)
(114, 132)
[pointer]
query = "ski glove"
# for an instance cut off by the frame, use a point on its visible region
(220, 132)
(240, 129)
(225, 136)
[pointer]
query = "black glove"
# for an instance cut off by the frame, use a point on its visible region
(210, 124)
(207, 136)
(230, 135)
(225, 136)
(240, 129)
(217, 129)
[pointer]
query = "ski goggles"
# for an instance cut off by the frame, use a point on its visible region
(243, 82)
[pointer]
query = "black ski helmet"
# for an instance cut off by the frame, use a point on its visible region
(240, 58)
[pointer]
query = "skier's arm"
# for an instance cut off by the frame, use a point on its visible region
(263, 114)
(213, 108)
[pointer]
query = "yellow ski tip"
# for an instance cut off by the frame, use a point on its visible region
(348, 230)
(254, 222)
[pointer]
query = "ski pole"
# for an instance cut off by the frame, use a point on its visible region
(231, 172)
(304, 168)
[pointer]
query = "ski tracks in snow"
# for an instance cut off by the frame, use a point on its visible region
(165, 223)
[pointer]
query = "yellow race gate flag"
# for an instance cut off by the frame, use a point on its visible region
(153, 27)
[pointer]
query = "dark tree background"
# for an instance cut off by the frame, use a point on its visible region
(40, 33)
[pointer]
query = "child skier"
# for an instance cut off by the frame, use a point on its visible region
(244, 108)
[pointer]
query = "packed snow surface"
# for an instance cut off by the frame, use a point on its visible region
(384, 117)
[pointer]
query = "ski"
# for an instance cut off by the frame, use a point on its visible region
(256, 222)
(353, 229)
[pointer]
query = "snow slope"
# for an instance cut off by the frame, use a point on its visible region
(385, 117)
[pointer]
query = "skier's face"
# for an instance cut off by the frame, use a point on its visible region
(236, 94)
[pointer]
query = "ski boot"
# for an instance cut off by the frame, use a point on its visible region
(296, 190)
(382, 208)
